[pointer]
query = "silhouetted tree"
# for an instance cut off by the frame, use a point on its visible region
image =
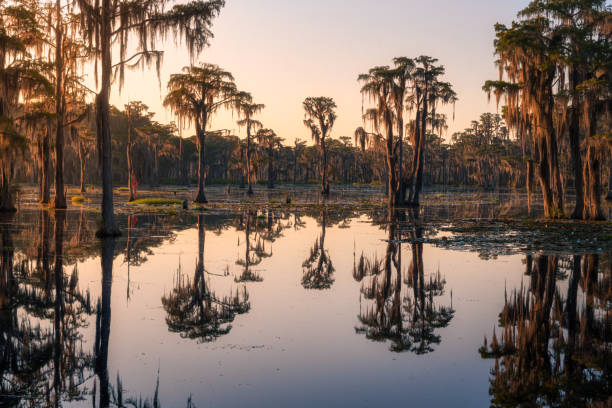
(196, 95)
(320, 116)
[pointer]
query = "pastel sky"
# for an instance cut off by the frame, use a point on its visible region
(283, 51)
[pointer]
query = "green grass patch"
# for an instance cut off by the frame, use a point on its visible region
(78, 199)
(157, 201)
(123, 189)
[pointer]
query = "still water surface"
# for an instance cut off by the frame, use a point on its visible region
(264, 308)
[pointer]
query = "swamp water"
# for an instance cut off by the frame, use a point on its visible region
(312, 308)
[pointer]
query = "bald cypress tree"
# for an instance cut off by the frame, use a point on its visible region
(320, 116)
(555, 76)
(109, 26)
(196, 95)
(21, 85)
(248, 109)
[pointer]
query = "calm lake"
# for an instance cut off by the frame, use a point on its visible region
(277, 308)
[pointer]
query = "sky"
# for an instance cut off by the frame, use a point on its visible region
(282, 51)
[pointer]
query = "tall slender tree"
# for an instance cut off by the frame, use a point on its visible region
(428, 92)
(21, 84)
(378, 87)
(320, 116)
(247, 110)
(60, 30)
(403, 70)
(107, 24)
(135, 112)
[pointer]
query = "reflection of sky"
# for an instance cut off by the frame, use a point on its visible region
(297, 347)
(283, 51)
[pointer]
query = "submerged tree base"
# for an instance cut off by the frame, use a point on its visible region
(201, 198)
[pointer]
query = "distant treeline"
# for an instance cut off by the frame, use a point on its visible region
(482, 155)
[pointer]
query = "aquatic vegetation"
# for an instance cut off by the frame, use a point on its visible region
(495, 238)
(155, 201)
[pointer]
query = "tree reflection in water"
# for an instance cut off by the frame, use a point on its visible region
(408, 320)
(103, 321)
(554, 346)
(42, 314)
(318, 267)
(254, 248)
(194, 310)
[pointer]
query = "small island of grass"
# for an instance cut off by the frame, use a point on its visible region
(156, 201)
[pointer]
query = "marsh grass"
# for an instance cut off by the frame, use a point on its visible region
(78, 199)
(157, 201)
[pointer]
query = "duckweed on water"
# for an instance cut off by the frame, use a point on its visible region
(157, 201)
(497, 238)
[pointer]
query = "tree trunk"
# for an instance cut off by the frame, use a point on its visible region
(557, 182)
(418, 155)
(418, 185)
(324, 184)
(128, 154)
(609, 196)
(82, 166)
(201, 130)
(60, 110)
(544, 177)
(546, 133)
(392, 182)
(249, 170)
(576, 158)
(45, 167)
(592, 177)
(529, 183)
(103, 127)
(415, 152)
